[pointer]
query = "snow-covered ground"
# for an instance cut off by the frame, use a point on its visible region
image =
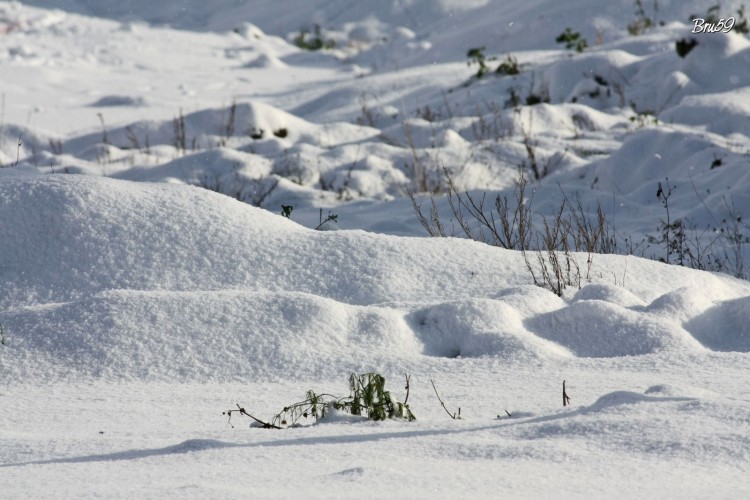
(137, 306)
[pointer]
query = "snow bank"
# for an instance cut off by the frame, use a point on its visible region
(114, 279)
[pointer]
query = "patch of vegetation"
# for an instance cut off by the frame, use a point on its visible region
(180, 133)
(367, 398)
(286, 211)
(534, 99)
(331, 218)
(476, 56)
(642, 22)
(712, 14)
(508, 66)
(509, 224)
(684, 46)
(718, 21)
(642, 118)
(741, 25)
(572, 40)
(281, 132)
(304, 41)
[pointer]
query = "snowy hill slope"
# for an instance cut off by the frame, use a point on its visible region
(148, 284)
(133, 280)
(344, 130)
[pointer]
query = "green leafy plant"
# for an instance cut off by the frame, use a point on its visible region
(508, 66)
(315, 42)
(572, 40)
(368, 398)
(476, 56)
(286, 211)
(642, 118)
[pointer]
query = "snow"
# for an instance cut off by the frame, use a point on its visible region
(149, 283)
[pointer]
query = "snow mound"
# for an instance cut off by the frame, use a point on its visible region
(480, 327)
(723, 327)
(184, 336)
(608, 293)
(594, 328)
(117, 279)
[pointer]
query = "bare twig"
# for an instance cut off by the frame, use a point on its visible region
(408, 385)
(2, 119)
(105, 135)
(180, 134)
(566, 399)
(242, 411)
(18, 150)
(452, 415)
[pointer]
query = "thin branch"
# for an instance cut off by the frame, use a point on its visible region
(18, 150)
(566, 399)
(242, 411)
(408, 385)
(452, 415)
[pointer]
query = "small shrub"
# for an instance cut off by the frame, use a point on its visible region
(331, 218)
(316, 42)
(514, 99)
(180, 133)
(642, 22)
(534, 99)
(741, 25)
(572, 40)
(367, 398)
(229, 125)
(683, 46)
(712, 14)
(557, 266)
(642, 118)
(286, 211)
(476, 56)
(281, 132)
(509, 224)
(673, 235)
(509, 66)
(56, 146)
